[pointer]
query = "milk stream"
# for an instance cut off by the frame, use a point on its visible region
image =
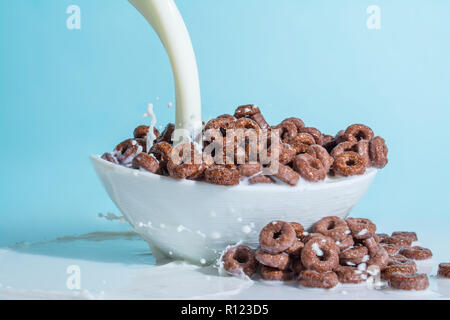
(166, 20)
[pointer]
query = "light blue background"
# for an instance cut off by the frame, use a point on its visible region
(65, 94)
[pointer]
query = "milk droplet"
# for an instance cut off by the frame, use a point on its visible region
(202, 261)
(246, 229)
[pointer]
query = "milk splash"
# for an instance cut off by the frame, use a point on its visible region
(151, 134)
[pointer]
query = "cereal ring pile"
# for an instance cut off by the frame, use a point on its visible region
(336, 251)
(301, 152)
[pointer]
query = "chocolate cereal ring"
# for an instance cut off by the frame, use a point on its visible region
(279, 261)
(348, 274)
(126, 151)
(354, 256)
(380, 259)
(378, 152)
(287, 153)
(260, 178)
(322, 154)
(141, 132)
(167, 133)
(372, 245)
(317, 135)
(444, 270)
(349, 163)
(314, 279)
(347, 242)
(309, 167)
(296, 249)
(358, 132)
(333, 227)
(391, 249)
(399, 241)
(416, 253)
(382, 237)
(409, 281)
(297, 121)
(247, 110)
(276, 237)
(411, 236)
(259, 119)
(361, 228)
(398, 268)
(287, 174)
(272, 274)
(320, 254)
(184, 161)
(222, 175)
(147, 162)
(302, 142)
(240, 259)
(110, 157)
(300, 231)
(288, 130)
(249, 169)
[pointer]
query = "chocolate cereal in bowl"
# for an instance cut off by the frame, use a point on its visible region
(191, 199)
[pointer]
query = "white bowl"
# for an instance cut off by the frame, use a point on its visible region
(195, 221)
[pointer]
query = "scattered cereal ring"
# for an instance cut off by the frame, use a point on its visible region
(391, 249)
(279, 261)
(260, 178)
(222, 175)
(167, 133)
(314, 279)
(240, 259)
(409, 281)
(398, 268)
(247, 124)
(247, 110)
(399, 241)
(444, 270)
(361, 228)
(381, 259)
(416, 253)
(322, 154)
(297, 121)
(372, 245)
(348, 274)
(318, 137)
(309, 168)
(288, 130)
(286, 174)
(272, 274)
(378, 152)
(127, 150)
(147, 162)
(259, 119)
(301, 142)
(359, 132)
(354, 256)
(320, 254)
(249, 169)
(110, 157)
(349, 163)
(184, 161)
(333, 227)
(276, 237)
(411, 236)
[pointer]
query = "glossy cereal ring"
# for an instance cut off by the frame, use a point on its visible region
(227, 116)
(391, 249)
(240, 259)
(287, 174)
(399, 241)
(260, 178)
(358, 132)
(141, 132)
(347, 242)
(259, 119)
(378, 152)
(297, 121)
(411, 236)
(147, 162)
(444, 270)
(276, 237)
(314, 279)
(400, 259)
(317, 135)
(247, 123)
(126, 151)
(333, 227)
(249, 169)
(272, 274)
(247, 110)
(381, 259)
(167, 133)
(361, 228)
(372, 245)
(288, 130)
(398, 268)
(183, 165)
(322, 154)
(354, 256)
(349, 163)
(110, 157)
(320, 254)
(302, 142)
(348, 274)
(287, 153)
(309, 167)
(162, 151)
(409, 281)
(222, 175)
(416, 253)
(279, 261)
(360, 147)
